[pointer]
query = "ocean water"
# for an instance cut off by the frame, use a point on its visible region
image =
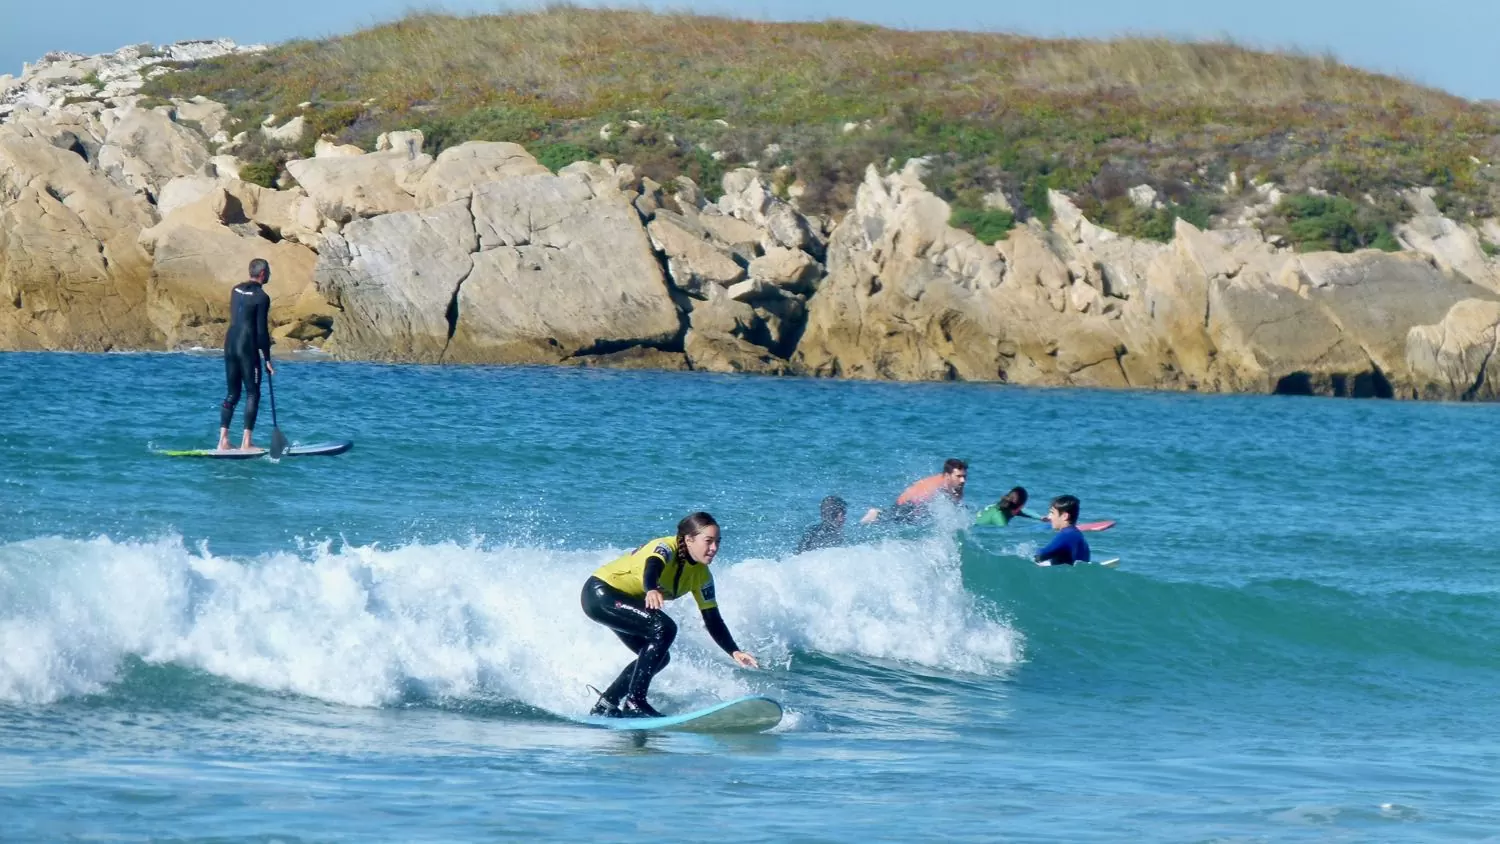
(1301, 643)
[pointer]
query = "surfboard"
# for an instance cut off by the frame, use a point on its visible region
(1104, 524)
(219, 453)
(752, 714)
(1110, 563)
(327, 449)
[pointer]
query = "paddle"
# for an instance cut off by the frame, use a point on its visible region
(278, 439)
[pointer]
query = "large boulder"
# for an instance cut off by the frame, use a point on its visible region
(280, 214)
(202, 250)
(748, 197)
(72, 275)
(733, 234)
(1116, 266)
(533, 268)
(790, 269)
(395, 279)
(1377, 297)
(144, 149)
(356, 187)
(458, 169)
(1456, 357)
(727, 353)
(1238, 315)
(210, 117)
(727, 335)
(561, 271)
(184, 191)
(75, 131)
(693, 261)
(637, 357)
(1454, 248)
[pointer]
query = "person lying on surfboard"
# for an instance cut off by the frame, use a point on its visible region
(1008, 507)
(245, 344)
(627, 595)
(913, 504)
(1068, 546)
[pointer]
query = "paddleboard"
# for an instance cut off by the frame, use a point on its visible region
(327, 449)
(219, 453)
(752, 714)
(1110, 563)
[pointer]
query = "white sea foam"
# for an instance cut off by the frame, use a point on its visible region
(369, 626)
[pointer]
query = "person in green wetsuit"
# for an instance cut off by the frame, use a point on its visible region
(1008, 507)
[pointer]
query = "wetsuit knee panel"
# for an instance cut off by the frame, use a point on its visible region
(662, 628)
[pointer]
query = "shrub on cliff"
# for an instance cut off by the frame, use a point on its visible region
(261, 172)
(557, 156)
(1333, 223)
(986, 224)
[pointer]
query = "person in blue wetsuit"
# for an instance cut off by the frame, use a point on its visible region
(1068, 546)
(246, 345)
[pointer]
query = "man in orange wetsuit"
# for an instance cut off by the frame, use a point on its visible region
(913, 503)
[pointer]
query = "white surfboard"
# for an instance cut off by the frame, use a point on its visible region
(1110, 563)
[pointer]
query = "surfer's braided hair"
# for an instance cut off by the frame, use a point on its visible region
(693, 525)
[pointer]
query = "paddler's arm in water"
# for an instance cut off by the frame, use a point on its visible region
(652, 577)
(714, 622)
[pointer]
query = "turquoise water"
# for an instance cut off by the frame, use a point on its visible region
(1302, 641)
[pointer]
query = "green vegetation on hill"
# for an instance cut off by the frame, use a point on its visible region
(684, 94)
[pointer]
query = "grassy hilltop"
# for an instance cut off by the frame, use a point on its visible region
(698, 95)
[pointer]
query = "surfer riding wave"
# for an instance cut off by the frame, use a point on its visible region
(627, 595)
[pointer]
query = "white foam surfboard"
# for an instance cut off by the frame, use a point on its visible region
(1110, 563)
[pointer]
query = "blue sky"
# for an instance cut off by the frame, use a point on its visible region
(1454, 46)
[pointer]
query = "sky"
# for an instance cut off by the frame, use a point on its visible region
(1456, 48)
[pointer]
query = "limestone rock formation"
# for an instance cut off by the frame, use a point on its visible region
(72, 275)
(533, 268)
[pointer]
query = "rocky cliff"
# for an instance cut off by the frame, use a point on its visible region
(123, 223)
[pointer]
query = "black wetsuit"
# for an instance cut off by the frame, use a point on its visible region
(821, 535)
(245, 346)
(646, 632)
